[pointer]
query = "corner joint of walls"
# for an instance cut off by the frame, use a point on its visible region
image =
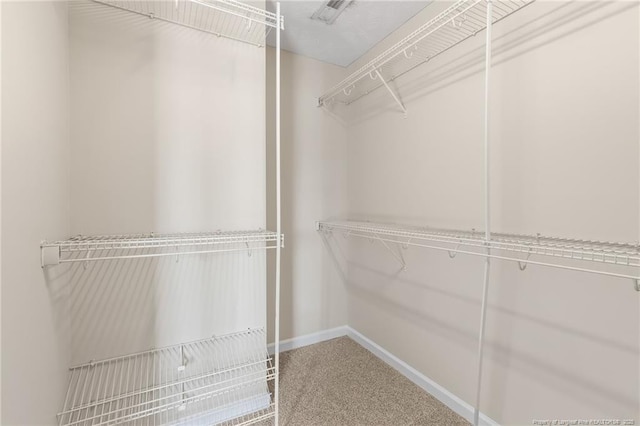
(309, 339)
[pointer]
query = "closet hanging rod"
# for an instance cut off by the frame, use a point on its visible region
(512, 247)
(455, 24)
(94, 248)
(223, 18)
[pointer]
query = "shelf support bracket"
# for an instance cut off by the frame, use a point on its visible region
(396, 256)
(453, 253)
(636, 284)
(405, 245)
(85, 264)
(393, 94)
(522, 265)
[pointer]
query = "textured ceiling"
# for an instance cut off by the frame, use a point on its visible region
(361, 26)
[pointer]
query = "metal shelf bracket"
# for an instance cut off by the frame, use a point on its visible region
(393, 94)
(397, 257)
(636, 284)
(523, 265)
(453, 253)
(374, 237)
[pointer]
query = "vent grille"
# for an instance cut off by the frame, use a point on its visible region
(330, 10)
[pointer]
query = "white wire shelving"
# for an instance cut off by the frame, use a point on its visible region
(457, 23)
(524, 249)
(111, 247)
(223, 18)
(221, 380)
(224, 380)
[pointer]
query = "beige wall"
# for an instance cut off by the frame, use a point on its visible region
(313, 186)
(35, 191)
(167, 135)
(0, 212)
(565, 161)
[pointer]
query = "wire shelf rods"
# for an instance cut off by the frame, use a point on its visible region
(109, 247)
(224, 18)
(457, 23)
(525, 249)
(218, 380)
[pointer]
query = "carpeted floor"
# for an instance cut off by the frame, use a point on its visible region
(338, 382)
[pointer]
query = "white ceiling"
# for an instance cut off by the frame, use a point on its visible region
(361, 26)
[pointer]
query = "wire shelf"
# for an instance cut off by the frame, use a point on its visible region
(221, 380)
(457, 23)
(92, 248)
(515, 247)
(223, 18)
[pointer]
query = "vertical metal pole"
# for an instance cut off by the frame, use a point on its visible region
(487, 217)
(278, 222)
(638, 206)
(182, 375)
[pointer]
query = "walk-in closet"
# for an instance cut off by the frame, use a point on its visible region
(319, 212)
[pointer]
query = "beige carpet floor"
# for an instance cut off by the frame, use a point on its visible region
(338, 382)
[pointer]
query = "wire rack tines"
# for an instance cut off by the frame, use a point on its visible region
(218, 380)
(455, 24)
(92, 248)
(525, 249)
(223, 18)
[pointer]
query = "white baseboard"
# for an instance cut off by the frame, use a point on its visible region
(232, 411)
(309, 339)
(447, 398)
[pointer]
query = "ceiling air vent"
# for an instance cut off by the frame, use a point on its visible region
(335, 4)
(330, 10)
